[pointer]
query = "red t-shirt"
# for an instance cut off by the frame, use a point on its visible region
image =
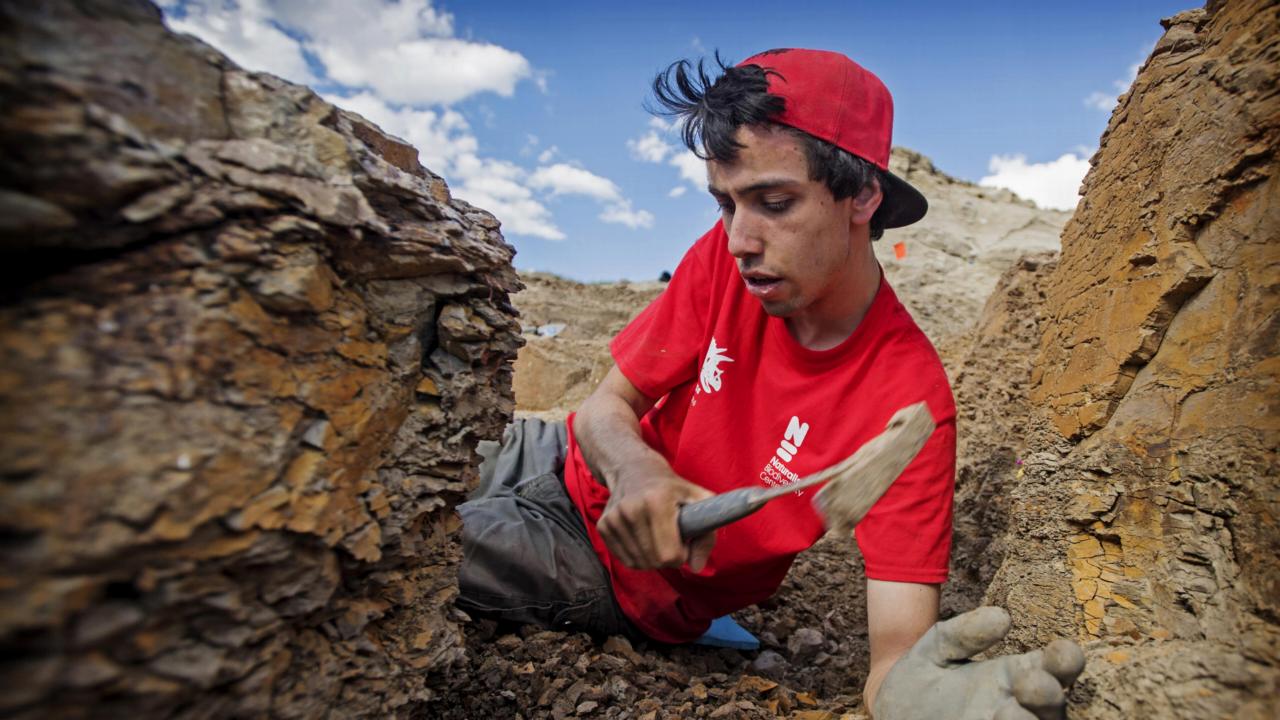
(742, 403)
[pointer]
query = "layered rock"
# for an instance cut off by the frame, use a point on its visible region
(1143, 519)
(248, 346)
(990, 371)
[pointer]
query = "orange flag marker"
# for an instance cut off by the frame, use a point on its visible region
(900, 250)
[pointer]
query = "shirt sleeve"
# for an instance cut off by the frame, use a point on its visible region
(906, 537)
(661, 347)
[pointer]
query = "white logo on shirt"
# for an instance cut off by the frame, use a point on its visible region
(776, 472)
(792, 439)
(709, 381)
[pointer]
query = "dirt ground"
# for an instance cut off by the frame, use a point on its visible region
(811, 663)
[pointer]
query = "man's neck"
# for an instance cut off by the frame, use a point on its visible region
(831, 321)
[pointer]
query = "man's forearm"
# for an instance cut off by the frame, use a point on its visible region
(875, 677)
(608, 432)
(898, 614)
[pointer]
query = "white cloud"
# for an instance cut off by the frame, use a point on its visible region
(540, 80)
(564, 179)
(1054, 184)
(649, 148)
(1101, 101)
(499, 187)
(693, 169)
(621, 214)
(366, 24)
(1105, 101)
(405, 51)
(545, 156)
(677, 191)
(245, 33)
(652, 148)
(435, 70)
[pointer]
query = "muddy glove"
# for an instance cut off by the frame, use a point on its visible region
(936, 678)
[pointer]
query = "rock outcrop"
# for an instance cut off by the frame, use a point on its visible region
(247, 347)
(1143, 518)
(990, 371)
(955, 255)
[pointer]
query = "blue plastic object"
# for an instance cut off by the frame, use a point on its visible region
(726, 633)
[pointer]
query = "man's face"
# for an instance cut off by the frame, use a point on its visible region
(793, 240)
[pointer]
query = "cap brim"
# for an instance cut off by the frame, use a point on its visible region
(902, 204)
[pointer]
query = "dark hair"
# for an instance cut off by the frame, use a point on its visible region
(711, 111)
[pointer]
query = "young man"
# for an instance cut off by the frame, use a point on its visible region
(777, 349)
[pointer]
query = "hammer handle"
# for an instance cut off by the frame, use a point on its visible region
(699, 518)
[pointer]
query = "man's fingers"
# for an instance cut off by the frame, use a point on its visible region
(619, 535)
(641, 529)
(663, 543)
(700, 550)
(642, 532)
(964, 636)
(1040, 693)
(1064, 660)
(613, 540)
(1011, 710)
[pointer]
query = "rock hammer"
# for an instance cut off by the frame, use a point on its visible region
(853, 485)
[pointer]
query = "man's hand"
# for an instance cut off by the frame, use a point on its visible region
(639, 523)
(936, 678)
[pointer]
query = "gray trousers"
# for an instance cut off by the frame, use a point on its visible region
(527, 557)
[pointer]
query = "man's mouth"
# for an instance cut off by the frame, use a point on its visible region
(761, 285)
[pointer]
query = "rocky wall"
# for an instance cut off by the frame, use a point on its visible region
(247, 347)
(1143, 517)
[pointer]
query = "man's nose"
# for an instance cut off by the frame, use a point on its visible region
(744, 237)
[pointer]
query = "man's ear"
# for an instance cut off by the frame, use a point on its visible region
(866, 202)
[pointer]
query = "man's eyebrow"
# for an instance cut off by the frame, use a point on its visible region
(766, 184)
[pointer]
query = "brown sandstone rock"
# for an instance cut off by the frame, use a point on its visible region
(248, 346)
(1145, 519)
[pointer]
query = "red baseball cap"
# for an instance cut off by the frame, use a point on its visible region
(834, 98)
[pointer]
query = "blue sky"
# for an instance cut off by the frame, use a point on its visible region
(534, 111)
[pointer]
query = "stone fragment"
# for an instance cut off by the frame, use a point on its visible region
(769, 664)
(90, 670)
(194, 663)
(104, 620)
(754, 684)
(804, 644)
(25, 213)
(156, 203)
